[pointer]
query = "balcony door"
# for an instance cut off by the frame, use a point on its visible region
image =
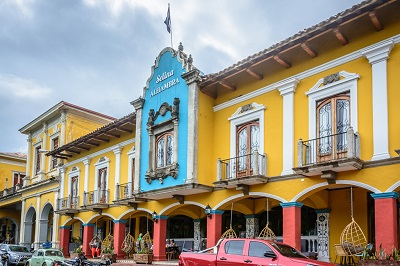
(333, 121)
(102, 185)
(74, 192)
(248, 140)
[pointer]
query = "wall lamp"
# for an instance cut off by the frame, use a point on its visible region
(154, 217)
(207, 211)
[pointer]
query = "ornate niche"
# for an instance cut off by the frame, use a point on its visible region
(163, 144)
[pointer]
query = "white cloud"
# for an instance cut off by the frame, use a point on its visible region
(22, 88)
(24, 7)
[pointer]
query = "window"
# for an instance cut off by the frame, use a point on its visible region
(333, 120)
(165, 150)
(102, 184)
(257, 249)
(18, 178)
(248, 141)
(74, 191)
(37, 159)
(234, 247)
(54, 144)
(101, 177)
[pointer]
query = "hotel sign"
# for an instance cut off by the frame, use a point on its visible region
(167, 84)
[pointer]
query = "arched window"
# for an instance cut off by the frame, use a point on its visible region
(248, 140)
(165, 150)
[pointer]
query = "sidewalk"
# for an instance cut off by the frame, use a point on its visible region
(131, 262)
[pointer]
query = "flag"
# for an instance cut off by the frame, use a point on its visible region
(168, 21)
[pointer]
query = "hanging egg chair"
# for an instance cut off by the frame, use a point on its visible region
(128, 245)
(230, 233)
(352, 238)
(108, 243)
(146, 243)
(267, 234)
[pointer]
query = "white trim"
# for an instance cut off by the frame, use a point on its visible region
(377, 57)
(105, 163)
(131, 156)
(318, 92)
(239, 118)
(117, 151)
(305, 74)
(287, 91)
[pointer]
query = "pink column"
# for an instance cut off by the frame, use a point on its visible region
(292, 224)
(64, 239)
(119, 236)
(88, 231)
(214, 227)
(159, 238)
(386, 213)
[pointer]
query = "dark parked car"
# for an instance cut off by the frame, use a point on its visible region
(16, 254)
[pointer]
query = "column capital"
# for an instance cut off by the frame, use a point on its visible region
(216, 212)
(117, 150)
(120, 221)
(88, 224)
(379, 52)
(287, 86)
(86, 160)
(138, 103)
(385, 195)
(65, 227)
(192, 76)
(291, 204)
(327, 210)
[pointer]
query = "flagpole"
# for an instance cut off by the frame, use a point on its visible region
(171, 25)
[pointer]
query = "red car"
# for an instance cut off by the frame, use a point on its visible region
(243, 251)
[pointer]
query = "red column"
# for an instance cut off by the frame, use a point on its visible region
(88, 231)
(65, 232)
(386, 227)
(119, 236)
(214, 227)
(159, 238)
(292, 224)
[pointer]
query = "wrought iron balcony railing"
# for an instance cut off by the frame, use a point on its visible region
(124, 191)
(253, 164)
(329, 148)
(69, 202)
(100, 196)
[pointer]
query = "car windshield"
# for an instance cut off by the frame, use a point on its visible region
(288, 251)
(18, 248)
(53, 253)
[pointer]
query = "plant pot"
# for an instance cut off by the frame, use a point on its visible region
(112, 257)
(143, 258)
(378, 262)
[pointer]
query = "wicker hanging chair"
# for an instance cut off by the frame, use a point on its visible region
(108, 243)
(146, 242)
(128, 245)
(267, 234)
(353, 239)
(230, 233)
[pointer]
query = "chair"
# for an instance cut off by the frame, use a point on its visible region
(345, 259)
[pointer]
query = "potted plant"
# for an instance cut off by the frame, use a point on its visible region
(109, 253)
(379, 257)
(144, 256)
(75, 252)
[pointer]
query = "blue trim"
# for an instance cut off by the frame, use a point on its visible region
(120, 221)
(196, 220)
(65, 227)
(216, 212)
(162, 217)
(88, 224)
(250, 216)
(385, 195)
(291, 204)
(327, 210)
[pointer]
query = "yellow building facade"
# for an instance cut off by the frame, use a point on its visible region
(301, 138)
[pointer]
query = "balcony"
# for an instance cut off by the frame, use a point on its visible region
(10, 192)
(125, 195)
(328, 155)
(242, 171)
(96, 200)
(68, 205)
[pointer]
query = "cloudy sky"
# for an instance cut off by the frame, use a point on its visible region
(98, 53)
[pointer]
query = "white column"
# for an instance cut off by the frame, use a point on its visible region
(191, 79)
(63, 127)
(86, 162)
(138, 104)
(377, 56)
(117, 152)
(22, 223)
(287, 90)
(54, 237)
(62, 174)
(28, 161)
(43, 171)
(37, 222)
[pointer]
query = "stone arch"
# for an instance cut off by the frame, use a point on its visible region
(238, 196)
(132, 210)
(16, 232)
(45, 226)
(29, 228)
(70, 221)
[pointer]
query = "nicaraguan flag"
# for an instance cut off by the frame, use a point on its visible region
(168, 21)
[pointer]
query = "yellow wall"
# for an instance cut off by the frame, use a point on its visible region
(77, 126)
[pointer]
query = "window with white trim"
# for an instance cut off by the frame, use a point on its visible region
(37, 157)
(54, 145)
(101, 193)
